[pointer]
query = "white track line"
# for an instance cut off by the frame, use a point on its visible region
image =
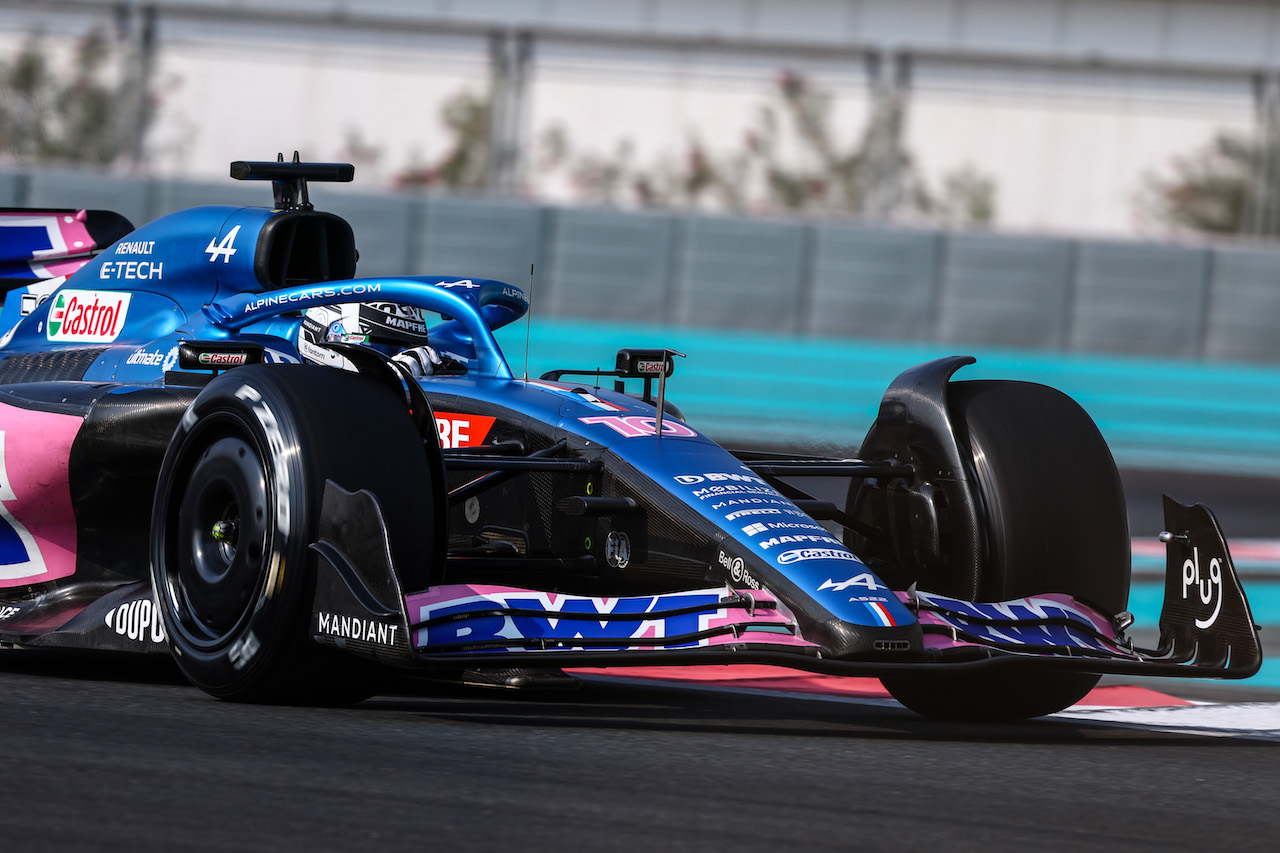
(1253, 720)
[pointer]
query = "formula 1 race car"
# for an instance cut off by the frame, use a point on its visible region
(192, 463)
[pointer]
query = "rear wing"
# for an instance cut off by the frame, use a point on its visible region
(39, 248)
(42, 244)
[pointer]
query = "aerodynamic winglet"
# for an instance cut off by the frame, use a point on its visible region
(1206, 620)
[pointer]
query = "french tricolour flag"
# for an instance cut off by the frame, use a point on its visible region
(881, 613)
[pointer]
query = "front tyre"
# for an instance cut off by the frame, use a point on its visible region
(1053, 519)
(237, 507)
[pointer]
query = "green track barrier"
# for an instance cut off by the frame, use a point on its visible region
(823, 393)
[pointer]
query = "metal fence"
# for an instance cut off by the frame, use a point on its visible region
(826, 279)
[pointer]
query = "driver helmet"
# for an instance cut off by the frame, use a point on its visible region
(384, 326)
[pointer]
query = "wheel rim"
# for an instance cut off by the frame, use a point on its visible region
(222, 542)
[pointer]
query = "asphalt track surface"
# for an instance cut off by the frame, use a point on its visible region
(116, 753)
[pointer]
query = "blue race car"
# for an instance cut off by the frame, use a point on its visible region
(217, 443)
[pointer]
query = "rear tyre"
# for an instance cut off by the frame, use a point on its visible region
(238, 505)
(1053, 520)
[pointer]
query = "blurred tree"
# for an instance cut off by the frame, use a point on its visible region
(1210, 189)
(465, 162)
(46, 118)
(1231, 185)
(792, 159)
(967, 197)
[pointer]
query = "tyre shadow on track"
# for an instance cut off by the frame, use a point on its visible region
(650, 707)
(607, 705)
(79, 665)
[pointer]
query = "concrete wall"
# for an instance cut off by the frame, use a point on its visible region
(843, 280)
(1236, 34)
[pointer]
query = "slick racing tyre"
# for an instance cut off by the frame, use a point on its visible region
(237, 507)
(1053, 519)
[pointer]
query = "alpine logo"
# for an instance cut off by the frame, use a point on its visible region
(865, 580)
(87, 316)
(225, 249)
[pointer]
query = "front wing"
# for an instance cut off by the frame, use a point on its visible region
(1206, 627)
